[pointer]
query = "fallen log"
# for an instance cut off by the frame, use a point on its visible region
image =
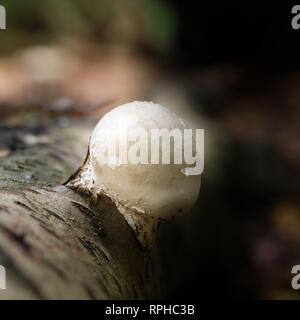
(56, 243)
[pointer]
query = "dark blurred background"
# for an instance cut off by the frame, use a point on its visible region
(232, 69)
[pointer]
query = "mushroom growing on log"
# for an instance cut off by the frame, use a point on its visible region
(58, 243)
(129, 172)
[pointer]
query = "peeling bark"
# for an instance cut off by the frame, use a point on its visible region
(56, 243)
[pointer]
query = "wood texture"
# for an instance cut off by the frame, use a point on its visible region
(54, 242)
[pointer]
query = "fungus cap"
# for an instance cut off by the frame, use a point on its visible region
(158, 190)
(143, 192)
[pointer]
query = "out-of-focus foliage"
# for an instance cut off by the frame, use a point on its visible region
(131, 23)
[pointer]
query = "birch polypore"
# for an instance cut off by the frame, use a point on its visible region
(136, 158)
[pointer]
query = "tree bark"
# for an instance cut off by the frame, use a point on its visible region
(56, 243)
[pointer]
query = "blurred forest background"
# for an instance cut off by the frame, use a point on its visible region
(230, 69)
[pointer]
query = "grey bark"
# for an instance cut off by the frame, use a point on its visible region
(54, 242)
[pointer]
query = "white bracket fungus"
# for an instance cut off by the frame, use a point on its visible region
(118, 165)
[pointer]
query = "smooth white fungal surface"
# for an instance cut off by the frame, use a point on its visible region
(156, 190)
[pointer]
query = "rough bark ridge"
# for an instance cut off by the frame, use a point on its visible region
(55, 243)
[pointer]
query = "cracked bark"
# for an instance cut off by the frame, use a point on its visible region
(56, 243)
